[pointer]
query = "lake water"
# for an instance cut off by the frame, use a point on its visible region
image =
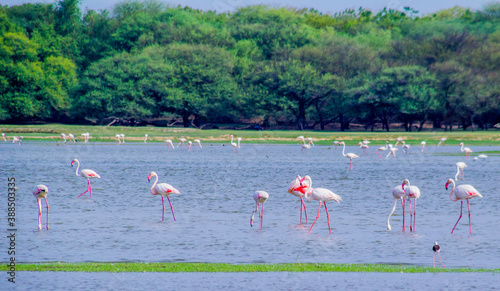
(122, 222)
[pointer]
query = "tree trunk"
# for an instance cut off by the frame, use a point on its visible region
(341, 120)
(302, 115)
(422, 122)
(185, 118)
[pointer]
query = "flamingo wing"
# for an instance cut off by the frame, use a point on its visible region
(324, 195)
(165, 189)
(90, 174)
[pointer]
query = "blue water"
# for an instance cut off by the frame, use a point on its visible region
(123, 220)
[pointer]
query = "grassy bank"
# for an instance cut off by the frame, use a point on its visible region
(221, 267)
(51, 132)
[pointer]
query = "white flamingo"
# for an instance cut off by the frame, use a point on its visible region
(460, 168)
(63, 138)
(146, 138)
(3, 136)
(462, 192)
(163, 189)
(233, 144)
(398, 140)
(392, 151)
(181, 142)
(304, 147)
(123, 137)
(480, 157)
(423, 146)
(87, 174)
(350, 156)
(170, 143)
(399, 194)
(467, 151)
(384, 148)
(118, 136)
(259, 197)
(406, 147)
(441, 141)
(197, 141)
(239, 142)
(310, 141)
(363, 146)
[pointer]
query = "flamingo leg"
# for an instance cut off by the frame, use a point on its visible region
(461, 205)
(403, 204)
(328, 218)
(411, 215)
(470, 226)
(414, 214)
(90, 187)
(262, 215)
(305, 210)
(39, 213)
(351, 166)
(441, 260)
(171, 208)
(163, 211)
(87, 189)
(317, 216)
(301, 206)
(46, 203)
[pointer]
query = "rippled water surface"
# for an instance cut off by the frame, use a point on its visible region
(122, 222)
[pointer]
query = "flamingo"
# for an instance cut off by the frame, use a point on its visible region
(233, 144)
(17, 139)
(466, 150)
(423, 146)
(146, 138)
(392, 151)
(123, 137)
(364, 147)
(163, 189)
(181, 142)
(118, 137)
(335, 143)
(170, 143)
(87, 174)
(321, 195)
(239, 142)
(462, 192)
(295, 188)
(441, 140)
(436, 248)
(398, 140)
(86, 136)
(40, 192)
(411, 192)
(398, 193)
(384, 148)
(460, 166)
(301, 137)
(198, 142)
(310, 141)
(71, 137)
(63, 137)
(259, 197)
(3, 136)
(480, 157)
(190, 143)
(304, 147)
(366, 142)
(406, 147)
(350, 156)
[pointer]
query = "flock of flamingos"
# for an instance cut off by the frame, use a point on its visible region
(300, 187)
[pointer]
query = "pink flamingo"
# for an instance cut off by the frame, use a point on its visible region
(384, 148)
(460, 167)
(350, 156)
(87, 174)
(304, 147)
(398, 193)
(436, 248)
(170, 144)
(411, 192)
(423, 146)
(197, 141)
(190, 144)
(406, 147)
(462, 192)
(259, 197)
(321, 195)
(181, 142)
(335, 143)
(363, 146)
(295, 188)
(467, 151)
(163, 189)
(40, 192)
(392, 151)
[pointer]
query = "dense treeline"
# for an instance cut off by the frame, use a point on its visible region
(276, 66)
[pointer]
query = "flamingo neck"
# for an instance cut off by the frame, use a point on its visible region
(458, 173)
(343, 150)
(154, 184)
(454, 199)
(78, 168)
(462, 148)
(231, 139)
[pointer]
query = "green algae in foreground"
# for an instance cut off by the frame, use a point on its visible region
(229, 268)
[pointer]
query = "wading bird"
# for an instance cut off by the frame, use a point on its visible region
(399, 194)
(423, 146)
(436, 248)
(462, 192)
(392, 151)
(170, 143)
(181, 142)
(63, 138)
(384, 148)
(3, 136)
(411, 192)
(40, 192)
(123, 137)
(190, 143)
(233, 144)
(467, 151)
(304, 147)
(87, 174)
(259, 197)
(146, 138)
(336, 143)
(441, 141)
(71, 137)
(310, 141)
(295, 188)
(480, 157)
(239, 142)
(397, 141)
(363, 146)
(460, 168)
(197, 141)
(350, 156)
(163, 189)
(118, 136)
(321, 195)
(406, 147)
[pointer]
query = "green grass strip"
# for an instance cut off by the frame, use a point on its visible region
(231, 268)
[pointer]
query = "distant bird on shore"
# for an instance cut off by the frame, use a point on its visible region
(423, 146)
(4, 137)
(467, 151)
(40, 192)
(384, 148)
(406, 147)
(71, 137)
(163, 189)
(305, 146)
(123, 137)
(233, 144)
(460, 168)
(363, 146)
(190, 143)
(436, 248)
(146, 138)
(441, 141)
(87, 174)
(399, 139)
(63, 138)
(399, 194)
(392, 151)
(197, 141)
(462, 192)
(170, 143)
(118, 137)
(350, 156)
(181, 142)
(259, 197)
(411, 192)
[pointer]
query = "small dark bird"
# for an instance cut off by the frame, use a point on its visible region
(436, 248)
